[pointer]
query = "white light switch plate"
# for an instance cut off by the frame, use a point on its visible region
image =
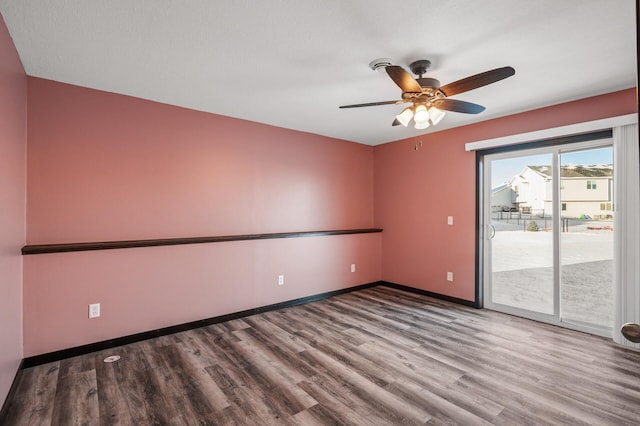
(94, 310)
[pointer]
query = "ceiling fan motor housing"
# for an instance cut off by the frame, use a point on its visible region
(427, 82)
(420, 67)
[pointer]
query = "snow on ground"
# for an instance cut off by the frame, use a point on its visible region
(513, 250)
(522, 265)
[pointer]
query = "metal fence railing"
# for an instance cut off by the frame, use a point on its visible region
(539, 220)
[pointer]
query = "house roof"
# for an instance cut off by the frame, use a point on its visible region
(581, 171)
(502, 187)
(292, 63)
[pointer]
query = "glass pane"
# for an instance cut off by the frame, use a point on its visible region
(586, 241)
(522, 248)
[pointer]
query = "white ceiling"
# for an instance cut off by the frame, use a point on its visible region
(291, 63)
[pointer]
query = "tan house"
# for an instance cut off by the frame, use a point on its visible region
(586, 191)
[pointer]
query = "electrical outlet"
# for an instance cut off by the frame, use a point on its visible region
(94, 310)
(353, 267)
(449, 276)
(449, 220)
(280, 279)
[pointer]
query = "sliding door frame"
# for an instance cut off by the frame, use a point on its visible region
(553, 146)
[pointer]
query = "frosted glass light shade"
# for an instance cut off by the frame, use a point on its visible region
(436, 115)
(405, 116)
(421, 114)
(422, 125)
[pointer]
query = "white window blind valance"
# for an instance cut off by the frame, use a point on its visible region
(572, 129)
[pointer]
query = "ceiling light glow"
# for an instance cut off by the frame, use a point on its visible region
(421, 114)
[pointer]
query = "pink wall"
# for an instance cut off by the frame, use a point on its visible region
(415, 191)
(13, 138)
(109, 167)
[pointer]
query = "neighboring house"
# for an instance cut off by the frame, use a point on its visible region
(585, 191)
(532, 187)
(502, 198)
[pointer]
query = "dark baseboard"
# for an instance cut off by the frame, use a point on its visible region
(12, 390)
(430, 294)
(32, 361)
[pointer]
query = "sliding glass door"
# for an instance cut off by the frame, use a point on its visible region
(586, 243)
(521, 261)
(548, 234)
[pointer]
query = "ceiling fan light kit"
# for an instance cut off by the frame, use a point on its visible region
(427, 97)
(421, 115)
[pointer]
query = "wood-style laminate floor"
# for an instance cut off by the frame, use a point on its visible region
(372, 357)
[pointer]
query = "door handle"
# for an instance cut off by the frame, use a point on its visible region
(492, 231)
(631, 332)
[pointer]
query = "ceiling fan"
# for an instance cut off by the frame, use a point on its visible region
(428, 99)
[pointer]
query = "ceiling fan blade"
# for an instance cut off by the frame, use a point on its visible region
(372, 104)
(458, 106)
(403, 79)
(478, 80)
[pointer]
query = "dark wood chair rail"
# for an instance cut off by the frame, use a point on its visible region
(109, 245)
